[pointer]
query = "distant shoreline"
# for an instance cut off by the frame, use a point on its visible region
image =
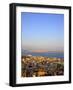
(41, 56)
(49, 54)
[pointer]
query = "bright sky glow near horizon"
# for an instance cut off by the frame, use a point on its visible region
(42, 31)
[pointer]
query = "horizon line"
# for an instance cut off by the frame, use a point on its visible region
(43, 51)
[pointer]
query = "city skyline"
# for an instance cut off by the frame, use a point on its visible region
(42, 32)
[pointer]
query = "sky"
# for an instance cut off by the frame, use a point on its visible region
(42, 32)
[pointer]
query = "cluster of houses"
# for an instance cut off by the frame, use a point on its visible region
(35, 66)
